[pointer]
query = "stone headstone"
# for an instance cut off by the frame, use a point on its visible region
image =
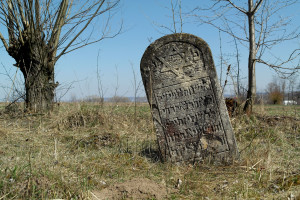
(188, 108)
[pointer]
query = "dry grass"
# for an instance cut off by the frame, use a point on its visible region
(79, 148)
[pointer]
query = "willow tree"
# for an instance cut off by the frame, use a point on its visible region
(39, 32)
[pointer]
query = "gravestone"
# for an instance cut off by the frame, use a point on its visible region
(188, 108)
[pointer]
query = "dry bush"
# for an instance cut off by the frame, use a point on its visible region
(83, 117)
(276, 97)
(232, 106)
(275, 92)
(13, 109)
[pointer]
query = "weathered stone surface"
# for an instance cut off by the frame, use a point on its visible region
(188, 108)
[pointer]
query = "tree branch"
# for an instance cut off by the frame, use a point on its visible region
(224, 30)
(257, 5)
(102, 38)
(4, 42)
(58, 26)
(238, 8)
(294, 55)
(21, 13)
(86, 25)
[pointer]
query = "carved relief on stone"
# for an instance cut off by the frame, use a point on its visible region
(188, 109)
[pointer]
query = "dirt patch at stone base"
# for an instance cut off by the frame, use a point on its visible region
(138, 188)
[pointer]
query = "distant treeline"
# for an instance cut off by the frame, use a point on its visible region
(115, 99)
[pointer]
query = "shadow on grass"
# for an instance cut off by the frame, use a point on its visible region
(151, 153)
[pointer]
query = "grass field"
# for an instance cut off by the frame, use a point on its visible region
(80, 150)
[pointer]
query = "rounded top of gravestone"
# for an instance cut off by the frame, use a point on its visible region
(174, 57)
(176, 37)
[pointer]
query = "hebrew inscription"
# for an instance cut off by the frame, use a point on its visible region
(188, 109)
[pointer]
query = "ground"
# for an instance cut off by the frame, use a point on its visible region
(88, 151)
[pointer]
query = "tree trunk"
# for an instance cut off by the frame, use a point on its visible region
(36, 63)
(39, 87)
(251, 94)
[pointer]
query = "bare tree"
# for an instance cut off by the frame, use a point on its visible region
(99, 79)
(257, 25)
(292, 86)
(41, 31)
(136, 87)
(176, 24)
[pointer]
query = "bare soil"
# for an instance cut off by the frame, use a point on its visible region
(137, 188)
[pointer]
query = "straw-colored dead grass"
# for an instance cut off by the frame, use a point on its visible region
(83, 149)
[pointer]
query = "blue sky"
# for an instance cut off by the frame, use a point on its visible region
(119, 55)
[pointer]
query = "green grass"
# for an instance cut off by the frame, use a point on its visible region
(279, 110)
(78, 147)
